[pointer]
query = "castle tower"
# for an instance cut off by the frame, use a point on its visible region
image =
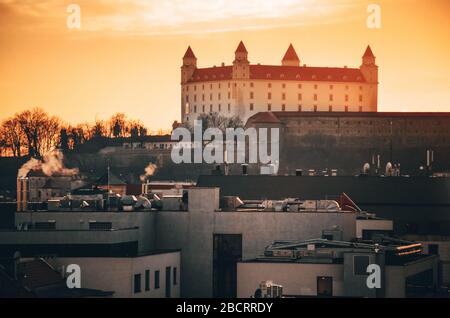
(370, 71)
(189, 65)
(241, 65)
(291, 57)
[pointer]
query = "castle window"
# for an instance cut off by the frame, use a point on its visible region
(269, 107)
(229, 84)
(195, 87)
(299, 108)
(360, 88)
(283, 107)
(283, 96)
(211, 108)
(195, 108)
(187, 88)
(269, 95)
(346, 98)
(220, 107)
(360, 109)
(195, 97)
(229, 107)
(346, 109)
(284, 85)
(203, 86)
(210, 97)
(330, 108)
(229, 95)
(331, 97)
(315, 108)
(203, 97)
(251, 84)
(299, 96)
(315, 86)
(299, 86)
(219, 85)
(346, 87)
(269, 85)
(187, 98)
(210, 86)
(360, 98)
(251, 107)
(331, 86)
(203, 108)
(315, 97)
(219, 96)
(251, 95)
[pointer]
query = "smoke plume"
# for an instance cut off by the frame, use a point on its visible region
(51, 164)
(149, 171)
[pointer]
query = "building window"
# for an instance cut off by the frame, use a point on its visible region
(331, 97)
(269, 85)
(229, 107)
(210, 108)
(299, 86)
(360, 264)
(229, 84)
(210, 97)
(346, 87)
(251, 107)
(299, 96)
(330, 108)
(220, 107)
(283, 107)
(315, 108)
(147, 280)
(251, 95)
(251, 85)
(210, 86)
(187, 98)
(156, 279)
(315, 97)
(284, 85)
(283, 96)
(219, 85)
(203, 108)
(331, 86)
(203, 97)
(360, 109)
(269, 95)
(195, 98)
(360, 98)
(195, 87)
(346, 109)
(360, 88)
(346, 98)
(315, 86)
(219, 96)
(299, 108)
(195, 108)
(269, 107)
(137, 283)
(175, 278)
(229, 95)
(203, 87)
(94, 225)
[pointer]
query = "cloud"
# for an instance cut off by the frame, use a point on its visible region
(172, 16)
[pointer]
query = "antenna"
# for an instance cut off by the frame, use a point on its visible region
(108, 169)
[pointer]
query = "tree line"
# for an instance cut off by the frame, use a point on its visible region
(35, 132)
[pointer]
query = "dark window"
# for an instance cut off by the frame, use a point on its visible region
(156, 279)
(147, 280)
(100, 225)
(137, 283)
(175, 278)
(360, 264)
(433, 249)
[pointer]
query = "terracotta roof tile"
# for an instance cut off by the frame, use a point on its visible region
(291, 55)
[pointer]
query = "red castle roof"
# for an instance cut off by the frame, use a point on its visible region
(241, 48)
(189, 53)
(291, 55)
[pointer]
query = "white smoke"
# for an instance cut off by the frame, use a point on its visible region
(51, 164)
(149, 171)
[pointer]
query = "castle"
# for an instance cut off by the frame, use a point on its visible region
(244, 89)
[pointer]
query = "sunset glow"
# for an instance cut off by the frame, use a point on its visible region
(127, 55)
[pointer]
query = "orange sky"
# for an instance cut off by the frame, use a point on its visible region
(127, 54)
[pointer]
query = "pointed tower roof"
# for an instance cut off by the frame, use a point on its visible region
(368, 52)
(189, 53)
(291, 55)
(241, 48)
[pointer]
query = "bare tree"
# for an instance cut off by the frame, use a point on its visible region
(12, 137)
